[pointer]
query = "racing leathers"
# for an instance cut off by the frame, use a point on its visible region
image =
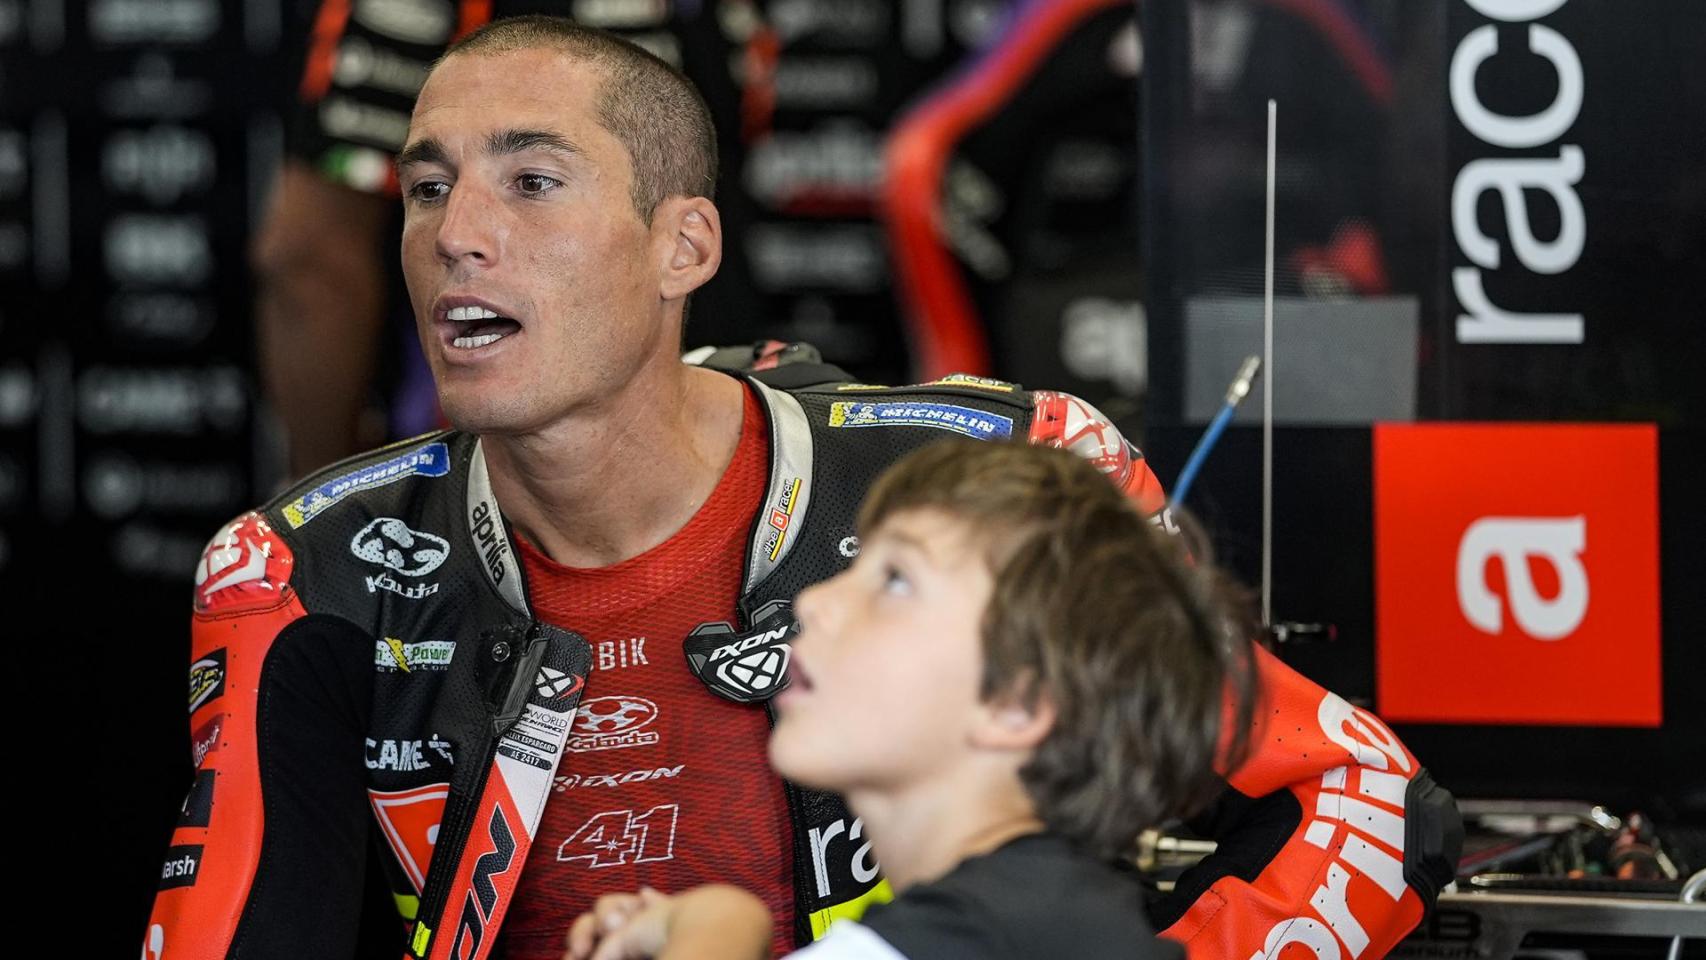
(366, 669)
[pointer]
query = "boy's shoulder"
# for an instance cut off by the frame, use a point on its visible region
(1034, 896)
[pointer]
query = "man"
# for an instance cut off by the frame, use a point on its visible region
(491, 613)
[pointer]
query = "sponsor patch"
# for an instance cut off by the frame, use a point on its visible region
(392, 655)
(642, 775)
(620, 654)
(554, 684)
(954, 418)
(410, 821)
(781, 514)
(612, 723)
(744, 666)
(405, 756)
(432, 460)
(182, 864)
(207, 679)
(971, 380)
(388, 583)
(206, 739)
(394, 545)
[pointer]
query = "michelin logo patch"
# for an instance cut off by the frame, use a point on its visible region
(964, 421)
(432, 460)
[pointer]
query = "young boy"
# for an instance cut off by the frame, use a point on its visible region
(1017, 675)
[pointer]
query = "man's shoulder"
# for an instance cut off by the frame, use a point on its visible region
(982, 408)
(403, 495)
(426, 457)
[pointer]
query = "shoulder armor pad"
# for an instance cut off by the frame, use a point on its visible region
(246, 566)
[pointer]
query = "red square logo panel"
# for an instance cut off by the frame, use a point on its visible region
(1517, 573)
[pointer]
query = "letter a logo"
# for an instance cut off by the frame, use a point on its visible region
(1516, 573)
(1513, 540)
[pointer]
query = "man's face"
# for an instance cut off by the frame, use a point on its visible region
(887, 668)
(516, 204)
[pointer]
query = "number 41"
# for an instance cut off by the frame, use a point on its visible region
(614, 836)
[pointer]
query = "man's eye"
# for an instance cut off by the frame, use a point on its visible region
(428, 190)
(534, 184)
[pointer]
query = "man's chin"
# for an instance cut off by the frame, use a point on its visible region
(481, 416)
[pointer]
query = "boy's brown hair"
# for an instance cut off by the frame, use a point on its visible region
(1141, 646)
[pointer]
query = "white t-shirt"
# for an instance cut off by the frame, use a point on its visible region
(849, 940)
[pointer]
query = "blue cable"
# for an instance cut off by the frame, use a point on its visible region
(1216, 427)
(1239, 389)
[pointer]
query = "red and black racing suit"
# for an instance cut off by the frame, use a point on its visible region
(382, 601)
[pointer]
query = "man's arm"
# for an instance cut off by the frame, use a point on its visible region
(320, 310)
(1330, 834)
(268, 857)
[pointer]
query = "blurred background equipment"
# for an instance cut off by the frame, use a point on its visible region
(1490, 255)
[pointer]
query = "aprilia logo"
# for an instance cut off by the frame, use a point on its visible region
(834, 866)
(1364, 878)
(1517, 178)
(493, 545)
(1514, 541)
(1523, 550)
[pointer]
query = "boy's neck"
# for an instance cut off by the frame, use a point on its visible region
(922, 835)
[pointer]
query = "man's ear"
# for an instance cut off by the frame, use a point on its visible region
(1007, 722)
(689, 235)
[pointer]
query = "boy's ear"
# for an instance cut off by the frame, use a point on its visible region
(1007, 722)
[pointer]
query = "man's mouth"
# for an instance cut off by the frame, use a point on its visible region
(479, 327)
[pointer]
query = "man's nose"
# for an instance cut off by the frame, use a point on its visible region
(471, 229)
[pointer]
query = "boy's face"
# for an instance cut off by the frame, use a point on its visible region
(888, 665)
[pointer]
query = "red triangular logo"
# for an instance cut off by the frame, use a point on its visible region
(410, 820)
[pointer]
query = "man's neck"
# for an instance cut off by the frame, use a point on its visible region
(612, 480)
(922, 834)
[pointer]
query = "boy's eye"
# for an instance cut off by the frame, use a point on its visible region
(895, 582)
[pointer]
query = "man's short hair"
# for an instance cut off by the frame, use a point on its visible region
(646, 104)
(1131, 635)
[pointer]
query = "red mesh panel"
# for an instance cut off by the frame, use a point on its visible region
(671, 788)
